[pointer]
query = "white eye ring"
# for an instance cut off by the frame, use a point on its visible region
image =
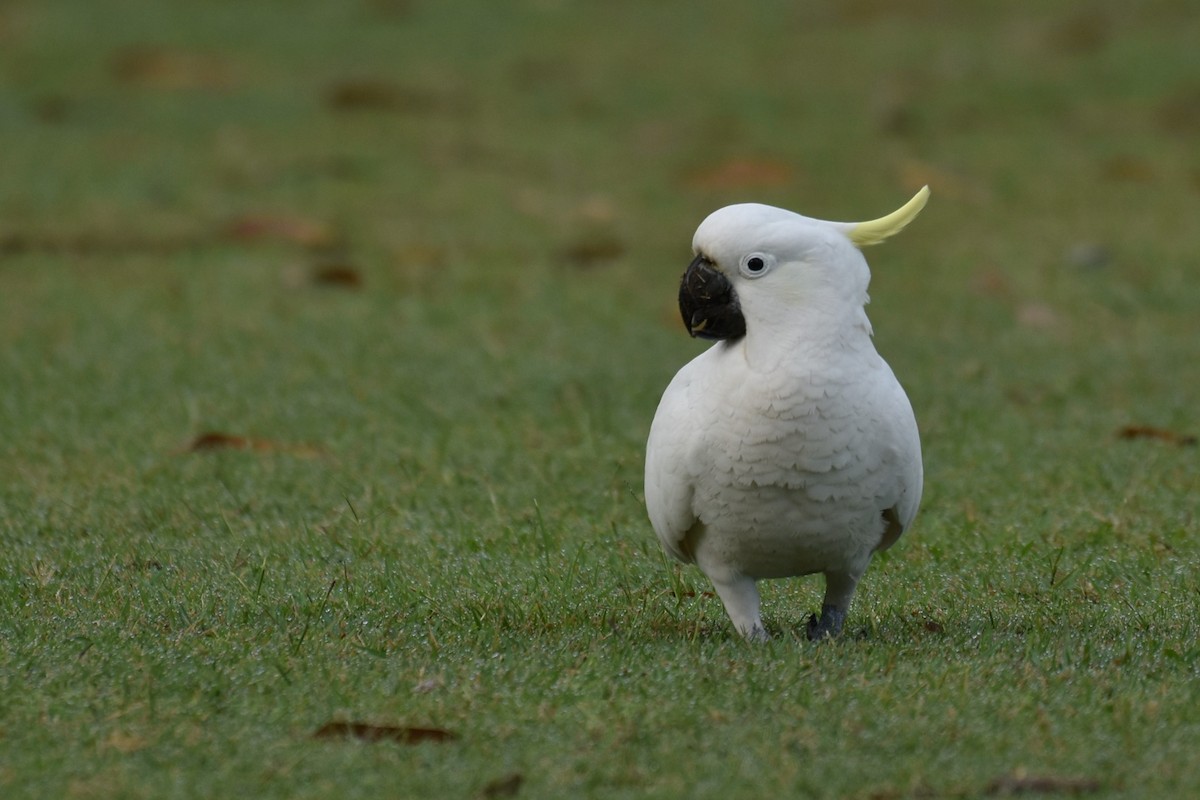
(755, 265)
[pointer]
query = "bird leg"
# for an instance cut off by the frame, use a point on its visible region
(839, 589)
(828, 625)
(740, 596)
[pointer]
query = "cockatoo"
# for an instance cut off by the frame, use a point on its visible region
(788, 447)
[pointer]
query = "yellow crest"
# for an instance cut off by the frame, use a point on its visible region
(875, 231)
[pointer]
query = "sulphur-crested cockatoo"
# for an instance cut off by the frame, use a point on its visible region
(788, 447)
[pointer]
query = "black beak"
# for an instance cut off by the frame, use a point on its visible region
(708, 303)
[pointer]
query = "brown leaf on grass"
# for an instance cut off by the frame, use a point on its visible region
(367, 732)
(593, 251)
(1127, 168)
(224, 441)
(281, 227)
(215, 440)
(1161, 434)
(338, 275)
(508, 786)
(1040, 784)
(378, 94)
(1080, 34)
(742, 173)
(157, 67)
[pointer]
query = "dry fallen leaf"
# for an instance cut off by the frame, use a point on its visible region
(378, 733)
(742, 173)
(508, 786)
(1161, 434)
(342, 275)
(377, 94)
(1080, 34)
(157, 67)
(215, 440)
(593, 251)
(224, 441)
(1128, 168)
(283, 227)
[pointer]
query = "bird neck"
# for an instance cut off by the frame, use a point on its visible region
(809, 333)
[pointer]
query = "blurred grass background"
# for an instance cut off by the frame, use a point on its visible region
(408, 269)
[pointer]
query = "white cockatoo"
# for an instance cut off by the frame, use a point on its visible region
(788, 447)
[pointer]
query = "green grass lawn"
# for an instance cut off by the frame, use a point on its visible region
(417, 263)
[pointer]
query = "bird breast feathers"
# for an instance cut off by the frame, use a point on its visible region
(829, 435)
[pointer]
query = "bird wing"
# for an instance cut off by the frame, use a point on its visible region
(909, 469)
(883, 448)
(670, 485)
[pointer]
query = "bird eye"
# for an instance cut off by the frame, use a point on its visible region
(756, 264)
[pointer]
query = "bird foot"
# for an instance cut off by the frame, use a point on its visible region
(827, 626)
(757, 634)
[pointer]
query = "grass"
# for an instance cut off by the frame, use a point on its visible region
(436, 518)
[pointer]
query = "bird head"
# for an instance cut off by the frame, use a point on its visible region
(768, 263)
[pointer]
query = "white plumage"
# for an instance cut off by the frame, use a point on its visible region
(788, 447)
